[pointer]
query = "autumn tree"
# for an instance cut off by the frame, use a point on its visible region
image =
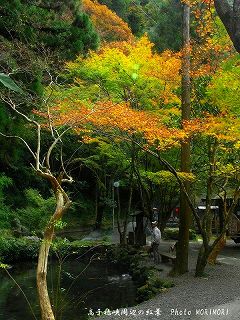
(210, 41)
(203, 47)
(210, 47)
(117, 92)
(108, 24)
(219, 138)
(116, 78)
(123, 81)
(131, 73)
(222, 94)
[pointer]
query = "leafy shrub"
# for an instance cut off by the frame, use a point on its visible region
(26, 248)
(153, 285)
(5, 211)
(5, 216)
(37, 211)
(89, 243)
(172, 234)
(159, 283)
(144, 293)
(139, 274)
(124, 256)
(18, 249)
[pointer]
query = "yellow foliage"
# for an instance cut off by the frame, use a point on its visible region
(108, 24)
(134, 67)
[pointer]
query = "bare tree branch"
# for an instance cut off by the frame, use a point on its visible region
(20, 138)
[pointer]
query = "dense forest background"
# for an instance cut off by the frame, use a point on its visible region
(117, 111)
(37, 39)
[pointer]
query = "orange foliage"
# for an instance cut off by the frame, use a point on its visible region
(116, 119)
(223, 127)
(212, 45)
(121, 121)
(108, 24)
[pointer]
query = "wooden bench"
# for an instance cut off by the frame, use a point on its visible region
(165, 256)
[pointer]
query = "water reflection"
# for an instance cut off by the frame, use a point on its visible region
(78, 288)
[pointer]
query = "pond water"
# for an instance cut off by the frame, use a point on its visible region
(81, 287)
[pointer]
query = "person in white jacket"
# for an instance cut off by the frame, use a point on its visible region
(156, 237)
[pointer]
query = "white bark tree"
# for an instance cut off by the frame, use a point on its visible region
(41, 165)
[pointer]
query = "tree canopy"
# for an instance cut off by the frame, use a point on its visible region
(99, 99)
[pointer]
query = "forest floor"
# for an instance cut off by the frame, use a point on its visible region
(215, 296)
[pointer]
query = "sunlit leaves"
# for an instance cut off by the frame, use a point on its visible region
(130, 72)
(124, 88)
(117, 119)
(163, 178)
(224, 127)
(4, 266)
(108, 24)
(224, 89)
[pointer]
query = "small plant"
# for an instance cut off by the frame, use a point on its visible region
(153, 285)
(144, 293)
(59, 225)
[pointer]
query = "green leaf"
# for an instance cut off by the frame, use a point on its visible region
(4, 266)
(134, 76)
(9, 83)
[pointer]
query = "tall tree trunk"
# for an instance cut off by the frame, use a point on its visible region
(201, 261)
(119, 216)
(181, 265)
(209, 253)
(212, 259)
(146, 201)
(44, 300)
(206, 249)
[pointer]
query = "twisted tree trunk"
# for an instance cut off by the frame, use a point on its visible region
(62, 204)
(229, 13)
(212, 259)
